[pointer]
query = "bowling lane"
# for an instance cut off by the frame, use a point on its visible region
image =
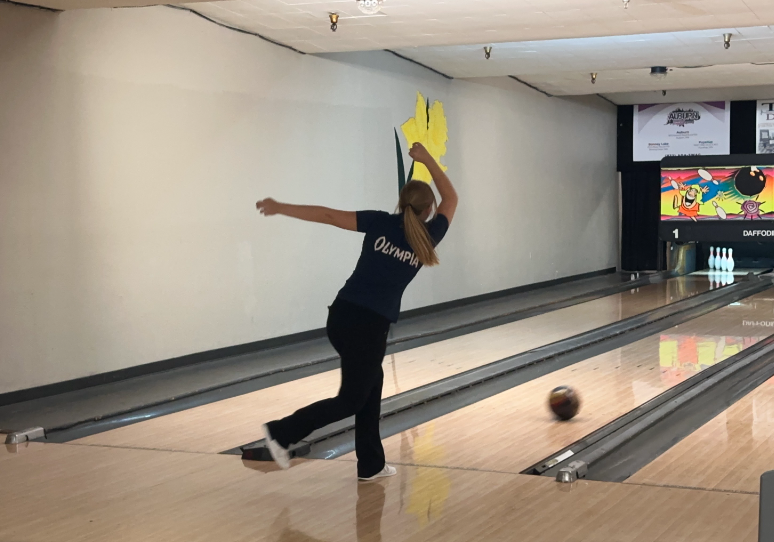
(728, 453)
(514, 429)
(229, 423)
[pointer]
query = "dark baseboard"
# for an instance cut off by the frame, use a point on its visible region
(438, 307)
(156, 367)
(266, 344)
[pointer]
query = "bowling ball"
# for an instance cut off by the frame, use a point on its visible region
(564, 402)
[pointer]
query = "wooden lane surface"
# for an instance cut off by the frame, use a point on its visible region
(728, 453)
(7, 451)
(514, 429)
(92, 494)
(232, 422)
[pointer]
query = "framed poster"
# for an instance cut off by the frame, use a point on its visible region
(683, 129)
(764, 129)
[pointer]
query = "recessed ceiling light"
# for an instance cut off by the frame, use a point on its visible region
(659, 72)
(369, 7)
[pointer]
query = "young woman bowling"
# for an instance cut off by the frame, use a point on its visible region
(396, 246)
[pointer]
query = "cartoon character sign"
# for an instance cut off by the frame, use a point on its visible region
(731, 193)
(689, 200)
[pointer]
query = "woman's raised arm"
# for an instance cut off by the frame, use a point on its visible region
(346, 220)
(449, 197)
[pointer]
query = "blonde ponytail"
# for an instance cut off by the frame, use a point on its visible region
(415, 198)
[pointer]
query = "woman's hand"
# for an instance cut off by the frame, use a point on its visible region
(419, 153)
(268, 207)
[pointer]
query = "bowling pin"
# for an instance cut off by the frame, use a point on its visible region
(719, 210)
(730, 263)
(707, 176)
(712, 258)
(723, 261)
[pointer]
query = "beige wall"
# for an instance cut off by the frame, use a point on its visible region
(134, 143)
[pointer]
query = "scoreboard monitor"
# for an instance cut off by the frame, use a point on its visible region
(717, 198)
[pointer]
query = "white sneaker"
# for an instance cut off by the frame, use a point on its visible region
(384, 473)
(280, 455)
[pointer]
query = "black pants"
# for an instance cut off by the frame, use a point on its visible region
(359, 335)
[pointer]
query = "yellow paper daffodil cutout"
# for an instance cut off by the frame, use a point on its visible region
(427, 127)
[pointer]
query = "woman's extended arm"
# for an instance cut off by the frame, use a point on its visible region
(449, 197)
(346, 220)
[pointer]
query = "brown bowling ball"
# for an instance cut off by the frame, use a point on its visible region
(564, 402)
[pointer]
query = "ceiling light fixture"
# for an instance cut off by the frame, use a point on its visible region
(659, 72)
(727, 40)
(594, 78)
(334, 17)
(369, 7)
(488, 52)
(626, 4)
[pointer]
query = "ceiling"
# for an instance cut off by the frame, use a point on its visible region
(697, 59)
(553, 45)
(694, 48)
(612, 82)
(304, 24)
(693, 95)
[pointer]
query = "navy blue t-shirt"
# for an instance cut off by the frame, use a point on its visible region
(387, 264)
